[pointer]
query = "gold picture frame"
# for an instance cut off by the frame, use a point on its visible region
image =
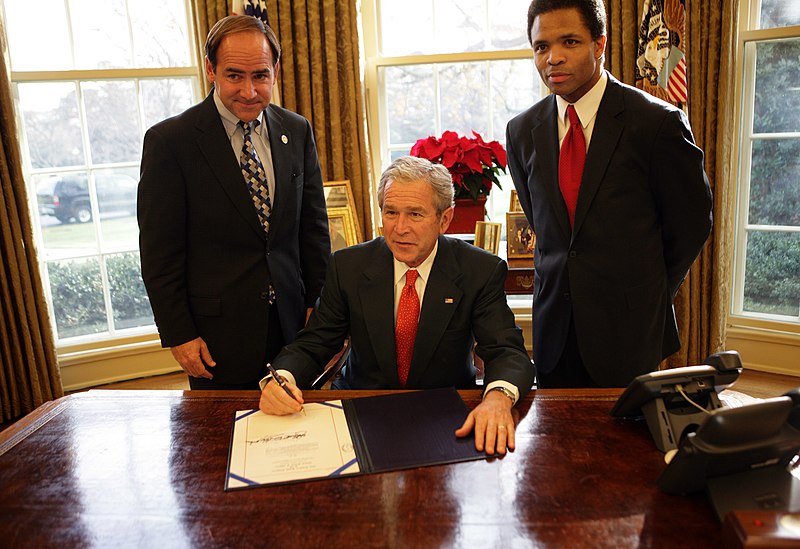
(487, 236)
(342, 227)
(514, 205)
(521, 238)
(338, 195)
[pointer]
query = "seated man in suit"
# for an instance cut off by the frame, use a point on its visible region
(420, 335)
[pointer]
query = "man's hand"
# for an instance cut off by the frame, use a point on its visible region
(276, 402)
(194, 358)
(493, 424)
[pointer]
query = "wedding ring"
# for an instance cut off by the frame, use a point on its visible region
(503, 427)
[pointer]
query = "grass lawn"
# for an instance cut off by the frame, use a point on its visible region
(116, 231)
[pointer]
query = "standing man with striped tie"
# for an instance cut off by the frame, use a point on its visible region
(233, 228)
(614, 188)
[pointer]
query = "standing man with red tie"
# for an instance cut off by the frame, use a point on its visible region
(233, 227)
(414, 302)
(614, 188)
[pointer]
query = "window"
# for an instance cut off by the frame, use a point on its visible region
(443, 65)
(89, 77)
(766, 289)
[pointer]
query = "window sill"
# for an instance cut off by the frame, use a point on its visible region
(766, 347)
(90, 365)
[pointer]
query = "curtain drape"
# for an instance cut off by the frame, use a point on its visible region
(702, 301)
(711, 56)
(29, 374)
(319, 78)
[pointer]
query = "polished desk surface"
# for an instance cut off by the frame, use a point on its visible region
(147, 469)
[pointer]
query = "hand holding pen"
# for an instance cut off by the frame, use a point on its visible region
(271, 403)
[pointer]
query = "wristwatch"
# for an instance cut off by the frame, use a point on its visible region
(503, 390)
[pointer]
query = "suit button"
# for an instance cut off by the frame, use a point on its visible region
(573, 254)
(566, 296)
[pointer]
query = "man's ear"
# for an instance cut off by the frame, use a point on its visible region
(447, 217)
(600, 47)
(209, 72)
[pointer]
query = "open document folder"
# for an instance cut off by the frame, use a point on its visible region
(349, 437)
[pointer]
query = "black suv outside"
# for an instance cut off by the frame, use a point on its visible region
(67, 197)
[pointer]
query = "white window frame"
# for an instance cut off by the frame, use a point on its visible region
(766, 342)
(374, 61)
(92, 360)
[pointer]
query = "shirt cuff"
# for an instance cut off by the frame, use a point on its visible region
(285, 374)
(504, 384)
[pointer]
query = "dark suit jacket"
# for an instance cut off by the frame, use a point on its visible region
(643, 214)
(206, 261)
(463, 298)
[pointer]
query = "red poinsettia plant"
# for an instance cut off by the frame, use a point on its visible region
(473, 163)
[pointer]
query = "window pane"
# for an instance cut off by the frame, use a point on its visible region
(777, 100)
(452, 26)
(113, 121)
(779, 13)
(116, 202)
(460, 25)
(397, 18)
(165, 98)
(772, 277)
(775, 182)
(77, 297)
(38, 43)
(508, 24)
(51, 122)
(65, 214)
(100, 34)
(410, 102)
(515, 87)
(159, 33)
(128, 297)
(464, 97)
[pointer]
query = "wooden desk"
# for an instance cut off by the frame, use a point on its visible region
(146, 468)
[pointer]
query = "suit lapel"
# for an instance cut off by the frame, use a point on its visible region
(442, 296)
(280, 145)
(608, 128)
(376, 293)
(545, 140)
(216, 147)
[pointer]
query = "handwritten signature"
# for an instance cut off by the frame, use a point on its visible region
(297, 435)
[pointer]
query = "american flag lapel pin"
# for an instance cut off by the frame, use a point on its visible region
(448, 300)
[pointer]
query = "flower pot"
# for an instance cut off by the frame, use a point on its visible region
(466, 214)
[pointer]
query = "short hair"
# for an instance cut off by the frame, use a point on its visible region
(239, 23)
(407, 169)
(593, 13)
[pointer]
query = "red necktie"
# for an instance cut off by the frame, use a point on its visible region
(406, 330)
(571, 162)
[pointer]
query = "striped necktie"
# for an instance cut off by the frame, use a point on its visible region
(254, 174)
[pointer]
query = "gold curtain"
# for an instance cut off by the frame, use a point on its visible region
(702, 301)
(206, 13)
(29, 374)
(319, 78)
(706, 293)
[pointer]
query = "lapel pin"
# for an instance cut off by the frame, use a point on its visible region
(284, 139)
(448, 300)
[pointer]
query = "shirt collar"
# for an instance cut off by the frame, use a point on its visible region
(586, 106)
(424, 268)
(229, 120)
